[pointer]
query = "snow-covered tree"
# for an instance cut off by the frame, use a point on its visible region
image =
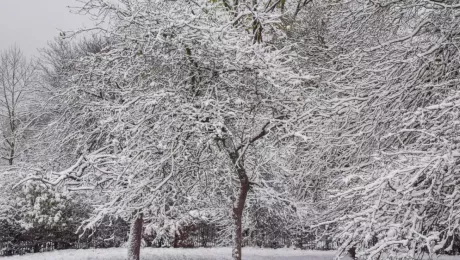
(191, 109)
(388, 149)
(17, 85)
(178, 102)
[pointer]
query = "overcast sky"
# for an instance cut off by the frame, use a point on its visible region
(32, 23)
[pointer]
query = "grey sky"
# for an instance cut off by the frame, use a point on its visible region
(32, 23)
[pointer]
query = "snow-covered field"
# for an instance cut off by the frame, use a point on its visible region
(179, 254)
(188, 254)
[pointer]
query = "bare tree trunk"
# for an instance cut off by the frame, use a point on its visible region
(352, 252)
(10, 160)
(135, 238)
(238, 207)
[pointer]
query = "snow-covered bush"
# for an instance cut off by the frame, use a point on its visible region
(43, 207)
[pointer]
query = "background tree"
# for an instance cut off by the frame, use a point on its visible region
(17, 83)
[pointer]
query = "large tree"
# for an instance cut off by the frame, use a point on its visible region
(389, 143)
(180, 97)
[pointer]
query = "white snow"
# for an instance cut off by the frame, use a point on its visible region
(180, 254)
(187, 254)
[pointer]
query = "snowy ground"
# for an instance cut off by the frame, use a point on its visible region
(187, 254)
(179, 254)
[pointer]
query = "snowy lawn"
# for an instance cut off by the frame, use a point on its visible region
(187, 254)
(179, 254)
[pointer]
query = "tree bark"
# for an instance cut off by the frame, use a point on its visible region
(238, 207)
(352, 252)
(10, 160)
(135, 238)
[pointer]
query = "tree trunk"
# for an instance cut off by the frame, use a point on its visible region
(237, 159)
(238, 207)
(10, 160)
(352, 252)
(135, 238)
